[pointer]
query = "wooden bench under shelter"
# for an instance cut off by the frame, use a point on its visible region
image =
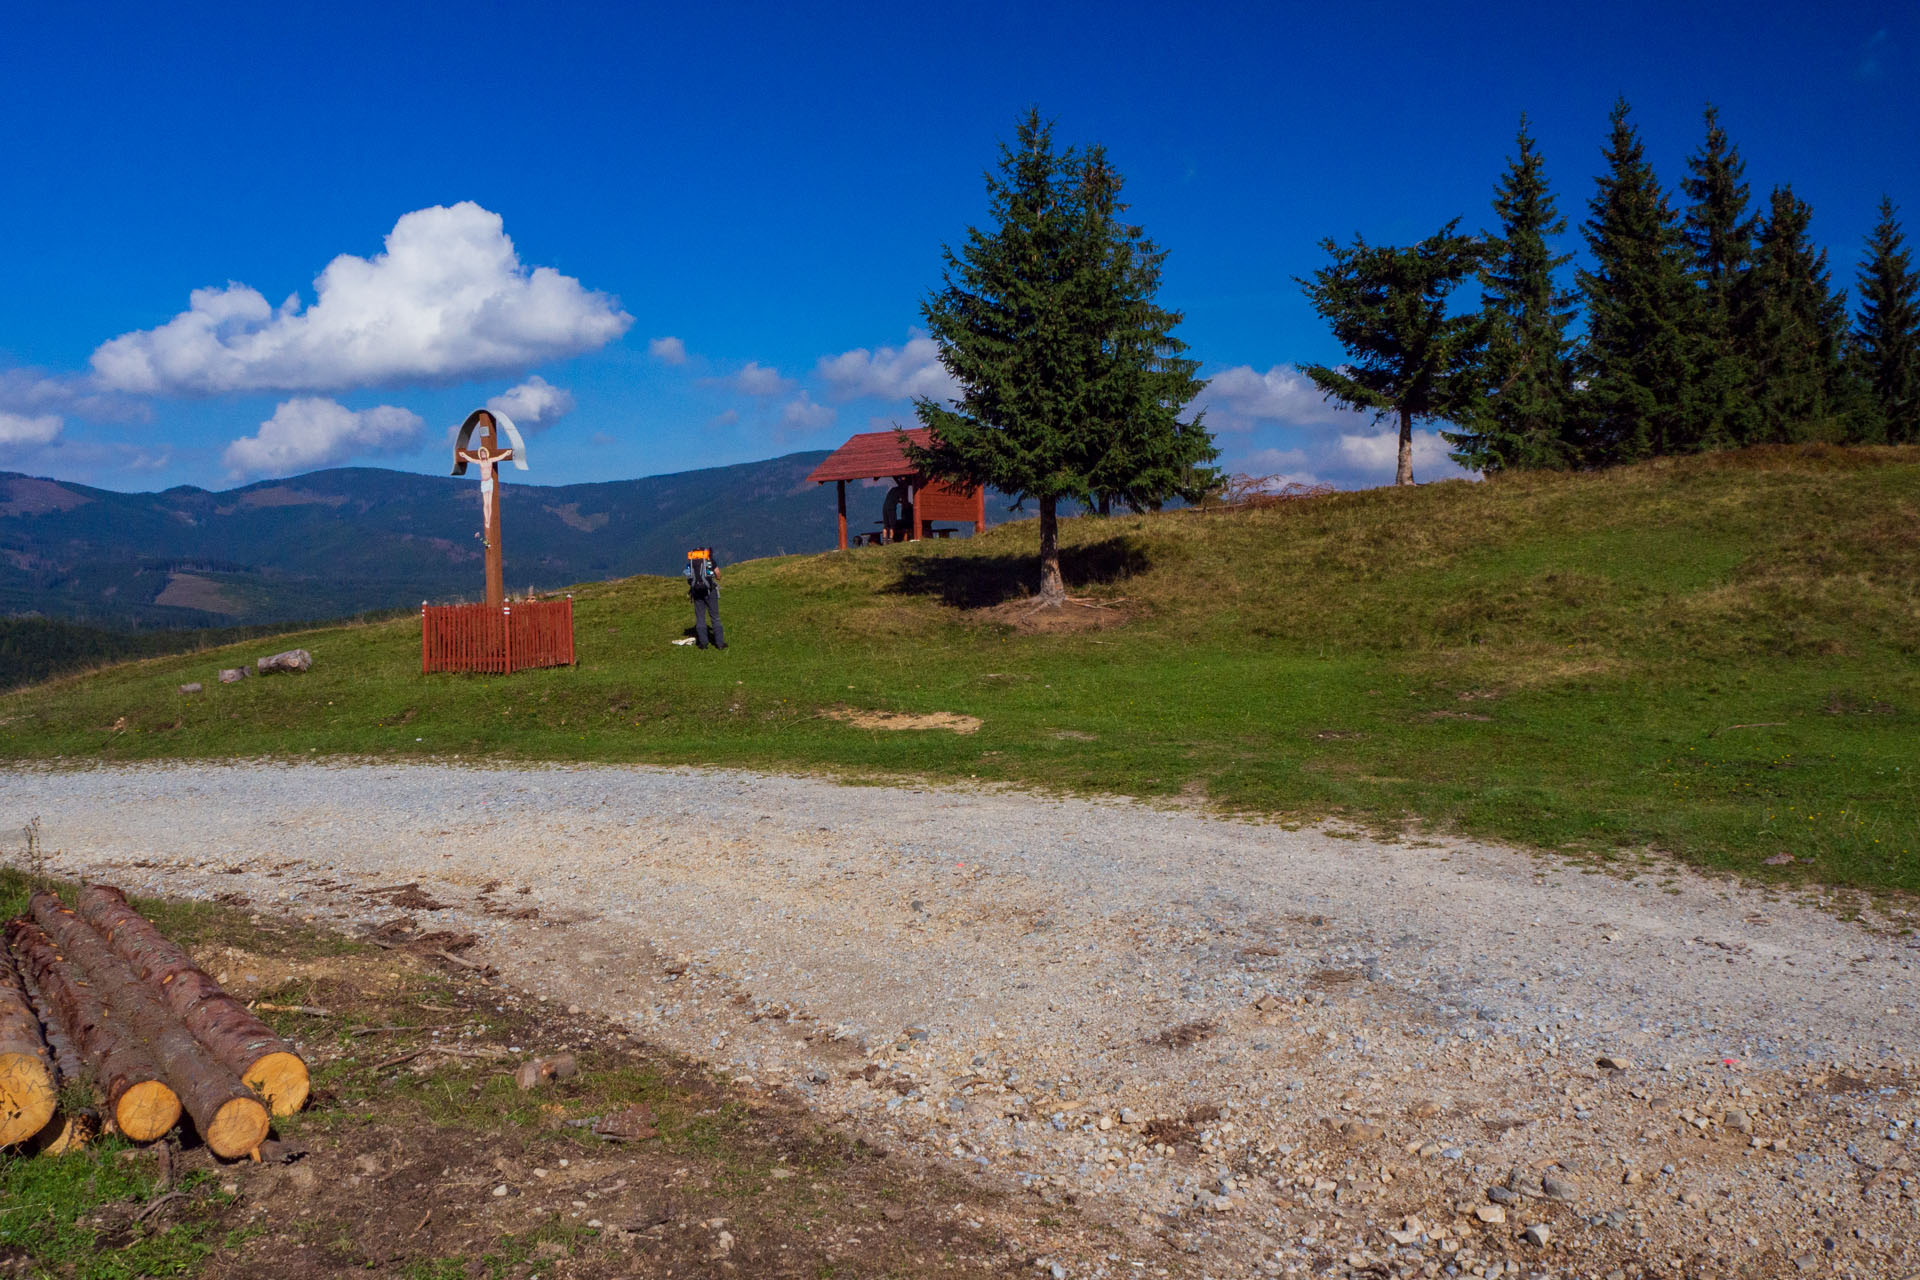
(879, 455)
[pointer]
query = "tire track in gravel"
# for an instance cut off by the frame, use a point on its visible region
(1247, 1041)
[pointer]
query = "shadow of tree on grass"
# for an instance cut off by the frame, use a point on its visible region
(980, 582)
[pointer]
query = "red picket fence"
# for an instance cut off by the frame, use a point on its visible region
(484, 637)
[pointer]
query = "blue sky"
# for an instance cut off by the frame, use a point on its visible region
(688, 236)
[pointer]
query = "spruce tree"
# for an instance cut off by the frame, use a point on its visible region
(1140, 381)
(1886, 341)
(1719, 231)
(1388, 307)
(1071, 381)
(1636, 362)
(1523, 420)
(1799, 327)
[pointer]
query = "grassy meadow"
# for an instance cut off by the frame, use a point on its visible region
(1716, 659)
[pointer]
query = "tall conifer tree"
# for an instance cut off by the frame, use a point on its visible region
(1071, 381)
(1388, 307)
(1140, 381)
(1524, 418)
(1799, 327)
(1886, 341)
(1719, 230)
(1637, 361)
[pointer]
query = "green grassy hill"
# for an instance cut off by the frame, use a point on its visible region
(1715, 658)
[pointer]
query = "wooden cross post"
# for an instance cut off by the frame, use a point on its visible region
(490, 456)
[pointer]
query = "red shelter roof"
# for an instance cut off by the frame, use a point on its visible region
(871, 455)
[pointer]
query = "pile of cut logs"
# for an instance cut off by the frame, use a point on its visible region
(98, 996)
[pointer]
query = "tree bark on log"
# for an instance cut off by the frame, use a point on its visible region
(247, 1046)
(232, 1122)
(27, 1091)
(72, 1127)
(141, 1105)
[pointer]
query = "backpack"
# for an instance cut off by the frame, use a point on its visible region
(702, 584)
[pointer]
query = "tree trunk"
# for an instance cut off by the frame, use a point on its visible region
(1052, 589)
(232, 1122)
(1403, 474)
(1106, 504)
(71, 1127)
(241, 1042)
(26, 1072)
(142, 1107)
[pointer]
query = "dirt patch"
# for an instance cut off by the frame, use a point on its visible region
(407, 897)
(1175, 1130)
(1185, 1035)
(1192, 795)
(191, 591)
(1032, 618)
(27, 496)
(951, 721)
(569, 515)
(282, 496)
(1844, 702)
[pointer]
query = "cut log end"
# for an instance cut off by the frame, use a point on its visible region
(27, 1096)
(146, 1111)
(280, 1078)
(237, 1129)
(67, 1131)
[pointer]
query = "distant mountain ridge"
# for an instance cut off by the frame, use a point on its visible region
(338, 542)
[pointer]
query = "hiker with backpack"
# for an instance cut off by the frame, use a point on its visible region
(703, 588)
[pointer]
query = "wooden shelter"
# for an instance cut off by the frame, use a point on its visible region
(879, 455)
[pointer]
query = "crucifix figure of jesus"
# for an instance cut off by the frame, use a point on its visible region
(488, 455)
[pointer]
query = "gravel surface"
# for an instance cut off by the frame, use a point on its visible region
(1256, 1050)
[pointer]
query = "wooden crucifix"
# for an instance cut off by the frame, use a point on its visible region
(489, 455)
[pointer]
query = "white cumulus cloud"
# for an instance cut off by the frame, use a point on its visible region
(802, 414)
(1381, 451)
(311, 431)
(1238, 398)
(1277, 423)
(889, 373)
(668, 350)
(535, 404)
(33, 394)
(757, 379)
(448, 299)
(19, 429)
(1283, 466)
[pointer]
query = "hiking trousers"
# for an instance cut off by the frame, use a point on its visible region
(706, 623)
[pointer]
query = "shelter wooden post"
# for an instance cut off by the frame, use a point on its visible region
(843, 514)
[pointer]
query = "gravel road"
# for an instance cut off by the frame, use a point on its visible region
(1256, 1049)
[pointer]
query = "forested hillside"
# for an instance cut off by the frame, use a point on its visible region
(335, 543)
